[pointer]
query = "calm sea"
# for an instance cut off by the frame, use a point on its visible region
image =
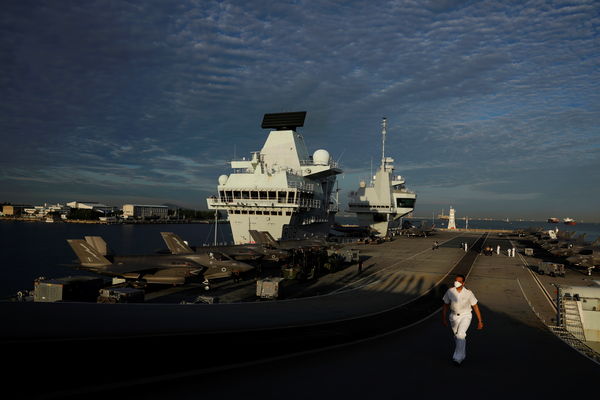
(32, 249)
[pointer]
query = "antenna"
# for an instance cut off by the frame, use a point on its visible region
(383, 133)
(216, 226)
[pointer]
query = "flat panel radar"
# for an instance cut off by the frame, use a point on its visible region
(283, 121)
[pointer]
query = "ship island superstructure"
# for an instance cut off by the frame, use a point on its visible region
(281, 189)
(382, 203)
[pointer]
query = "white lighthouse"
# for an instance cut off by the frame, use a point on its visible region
(451, 222)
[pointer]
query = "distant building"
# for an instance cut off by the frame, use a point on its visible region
(144, 210)
(14, 209)
(42, 211)
(91, 205)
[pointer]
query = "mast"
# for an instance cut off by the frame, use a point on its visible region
(216, 225)
(383, 133)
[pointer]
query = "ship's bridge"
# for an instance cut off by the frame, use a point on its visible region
(281, 189)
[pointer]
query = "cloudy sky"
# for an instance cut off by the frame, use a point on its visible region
(493, 106)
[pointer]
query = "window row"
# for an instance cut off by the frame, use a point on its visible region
(367, 206)
(254, 212)
(280, 196)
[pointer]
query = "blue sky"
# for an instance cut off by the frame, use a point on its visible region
(493, 107)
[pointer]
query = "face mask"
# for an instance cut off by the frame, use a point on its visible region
(457, 284)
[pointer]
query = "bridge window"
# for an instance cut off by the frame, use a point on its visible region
(263, 195)
(405, 203)
(254, 195)
(272, 196)
(237, 194)
(281, 196)
(291, 197)
(245, 195)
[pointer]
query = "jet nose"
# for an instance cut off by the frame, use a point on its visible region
(245, 267)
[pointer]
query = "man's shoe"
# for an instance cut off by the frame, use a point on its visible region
(456, 363)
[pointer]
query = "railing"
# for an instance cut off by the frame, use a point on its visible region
(572, 318)
(309, 203)
(307, 187)
(332, 163)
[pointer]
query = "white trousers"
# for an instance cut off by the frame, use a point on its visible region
(460, 324)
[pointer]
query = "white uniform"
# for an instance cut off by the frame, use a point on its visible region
(460, 318)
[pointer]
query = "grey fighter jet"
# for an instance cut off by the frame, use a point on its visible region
(587, 257)
(424, 229)
(569, 247)
(239, 252)
(266, 239)
(173, 269)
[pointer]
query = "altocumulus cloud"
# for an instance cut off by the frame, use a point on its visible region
(121, 100)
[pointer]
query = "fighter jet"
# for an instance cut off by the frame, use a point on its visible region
(569, 247)
(177, 245)
(586, 257)
(267, 240)
(173, 269)
(408, 229)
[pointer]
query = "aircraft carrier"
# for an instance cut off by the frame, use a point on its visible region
(370, 334)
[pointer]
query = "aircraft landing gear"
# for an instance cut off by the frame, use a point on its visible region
(206, 284)
(140, 284)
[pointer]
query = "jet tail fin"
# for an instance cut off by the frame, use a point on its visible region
(99, 244)
(175, 243)
(263, 237)
(87, 254)
(256, 236)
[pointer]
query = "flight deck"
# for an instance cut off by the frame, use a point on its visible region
(368, 331)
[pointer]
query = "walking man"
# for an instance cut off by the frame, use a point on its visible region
(460, 300)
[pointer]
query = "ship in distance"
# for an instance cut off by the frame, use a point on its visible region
(381, 203)
(252, 252)
(174, 269)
